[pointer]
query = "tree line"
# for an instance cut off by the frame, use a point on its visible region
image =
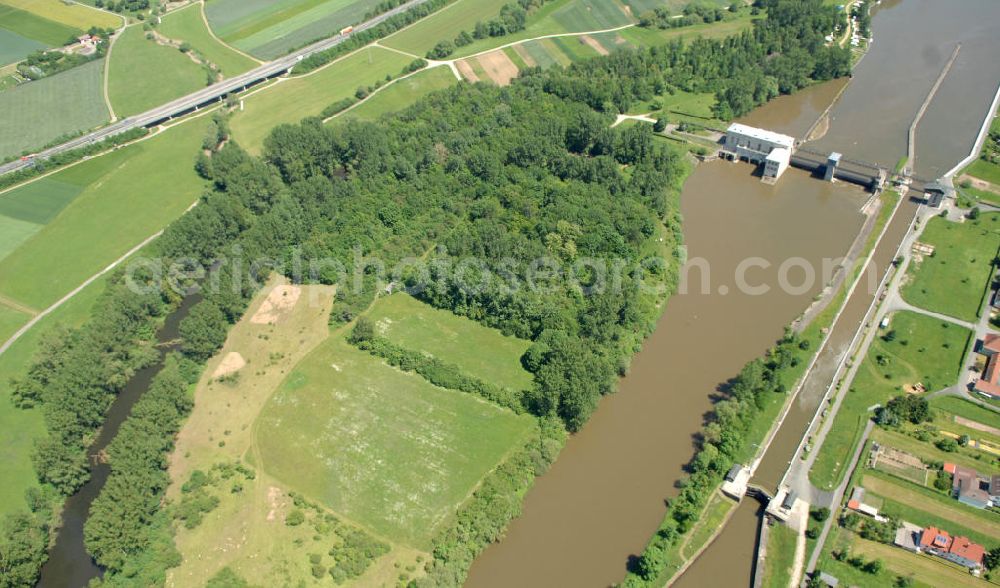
(513, 17)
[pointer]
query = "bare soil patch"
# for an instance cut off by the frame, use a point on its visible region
(499, 67)
(279, 303)
(230, 364)
(977, 425)
(525, 56)
(593, 44)
(466, 70)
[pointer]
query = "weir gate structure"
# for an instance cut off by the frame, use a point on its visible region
(777, 152)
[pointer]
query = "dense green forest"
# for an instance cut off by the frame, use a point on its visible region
(502, 176)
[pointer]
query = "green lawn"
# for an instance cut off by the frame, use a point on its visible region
(924, 350)
(297, 98)
(403, 93)
(39, 112)
(781, 540)
(10, 321)
(954, 280)
(479, 351)
(984, 170)
(13, 232)
(126, 196)
(461, 15)
(145, 75)
(382, 447)
(967, 409)
(187, 25)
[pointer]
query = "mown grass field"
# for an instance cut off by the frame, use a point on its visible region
(954, 279)
(925, 350)
(10, 321)
(781, 540)
(382, 447)
(144, 75)
(445, 24)
(292, 100)
(14, 47)
(479, 351)
(35, 26)
(402, 93)
(123, 197)
(270, 29)
(984, 170)
(188, 25)
(967, 409)
(39, 112)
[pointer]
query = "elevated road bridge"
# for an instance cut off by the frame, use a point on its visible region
(207, 95)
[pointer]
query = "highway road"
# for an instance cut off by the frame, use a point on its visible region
(206, 95)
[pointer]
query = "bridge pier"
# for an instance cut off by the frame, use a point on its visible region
(831, 166)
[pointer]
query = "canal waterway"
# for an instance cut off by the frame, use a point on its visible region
(604, 496)
(69, 565)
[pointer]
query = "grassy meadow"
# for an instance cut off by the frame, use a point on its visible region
(955, 278)
(39, 112)
(144, 75)
(446, 23)
(188, 25)
(95, 211)
(74, 15)
(291, 100)
(479, 351)
(402, 93)
(925, 350)
(383, 448)
(781, 540)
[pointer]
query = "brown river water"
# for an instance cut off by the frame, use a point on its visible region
(605, 495)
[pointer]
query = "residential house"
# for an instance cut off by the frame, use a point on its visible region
(956, 549)
(972, 488)
(989, 383)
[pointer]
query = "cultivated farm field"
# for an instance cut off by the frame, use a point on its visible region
(383, 448)
(268, 29)
(29, 25)
(95, 211)
(144, 75)
(38, 112)
(188, 25)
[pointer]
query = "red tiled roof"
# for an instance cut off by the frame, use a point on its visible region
(992, 343)
(949, 467)
(934, 537)
(962, 547)
(990, 382)
(853, 504)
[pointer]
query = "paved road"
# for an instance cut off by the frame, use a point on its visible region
(206, 95)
